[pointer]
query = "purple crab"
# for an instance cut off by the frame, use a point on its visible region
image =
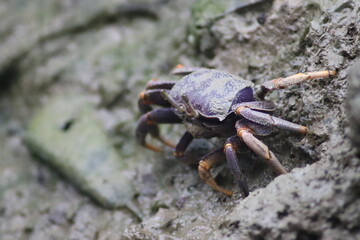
(211, 103)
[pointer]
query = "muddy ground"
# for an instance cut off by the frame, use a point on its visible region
(106, 51)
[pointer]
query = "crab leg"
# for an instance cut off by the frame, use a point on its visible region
(151, 97)
(233, 164)
(280, 83)
(148, 124)
(257, 105)
(206, 164)
(259, 147)
(182, 70)
(183, 143)
(268, 120)
(159, 84)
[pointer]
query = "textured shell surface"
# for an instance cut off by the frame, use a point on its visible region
(212, 92)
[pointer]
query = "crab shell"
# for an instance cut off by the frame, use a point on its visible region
(213, 92)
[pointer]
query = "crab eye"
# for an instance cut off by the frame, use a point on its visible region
(182, 108)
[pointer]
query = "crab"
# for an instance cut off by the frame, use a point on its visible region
(212, 103)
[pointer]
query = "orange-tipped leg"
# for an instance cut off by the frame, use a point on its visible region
(152, 147)
(232, 160)
(166, 142)
(183, 70)
(153, 96)
(184, 142)
(266, 119)
(148, 125)
(280, 83)
(260, 148)
(206, 164)
(159, 84)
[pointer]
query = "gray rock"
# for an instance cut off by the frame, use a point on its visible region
(66, 135)
(354, 104)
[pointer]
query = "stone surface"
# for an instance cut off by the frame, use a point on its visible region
(354, 103)
(66, 135)
(109, 59)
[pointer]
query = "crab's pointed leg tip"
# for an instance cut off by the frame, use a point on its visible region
(228, 193)
(332, 72)
(304, 130)
(178, 154)
(166, 142)
(169, 144)
(153, 148)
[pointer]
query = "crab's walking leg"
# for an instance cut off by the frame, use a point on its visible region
(280, 83)
(259, 148)
(257, 105)
(148, 124)
(233, 164)
(183, 70)
(205, 165)
(151, 97)
(183, 143)
(159, 84)
(268, 120)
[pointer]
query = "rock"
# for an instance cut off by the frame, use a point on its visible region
(162, 218)
(66, 135)
(206, 13)
(354, 104)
